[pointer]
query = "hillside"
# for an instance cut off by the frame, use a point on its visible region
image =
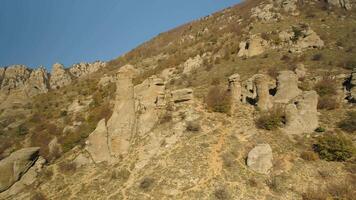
(256, 101)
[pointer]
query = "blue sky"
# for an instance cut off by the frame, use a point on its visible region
(42, 32)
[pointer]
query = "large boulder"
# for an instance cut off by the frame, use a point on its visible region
(59, 76)
(97, 143)
(287, 87)
(301, 114)
(345, 4)
(259, 159)
(16, 165)
(122, 123)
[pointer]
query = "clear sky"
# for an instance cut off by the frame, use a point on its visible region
(42, 32)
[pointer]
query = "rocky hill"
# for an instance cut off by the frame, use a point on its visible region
(253, 102)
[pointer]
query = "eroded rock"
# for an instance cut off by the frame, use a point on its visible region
(254, 46)
(287, 87)
(182, 95)
(16, 165)
(235, 90)
(259, 159)
(37, 82)
(97, 143)
(59, 76)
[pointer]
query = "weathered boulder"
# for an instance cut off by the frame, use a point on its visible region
(265, 13)
(307, 39)
(16, 165)
(287, 87)
(37, 82)
(259, 159)
(182, 95)
(106, 80)
(59, 76)
(350, 87)
(235, 90)
(83, 69)
(301, 114)
(55, 148)
(254, 46)
(121, 125)
(97, 143)
(14, 77)
(192, 64)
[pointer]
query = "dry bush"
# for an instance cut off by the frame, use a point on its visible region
(334, 147)
(313, 194)
(309, 156)
(327, 90)
(193, 126)
(317, 57)
(349, 123)
(166, 117)
(146, 183)
(218, 100)
(221, 194)
(38, 196)
(271, 120)
(67, 167)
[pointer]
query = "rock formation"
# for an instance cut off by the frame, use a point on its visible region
(259, 159)
(254, 46)
(350, 87)
(182, 95)
(83, 69)
(16, 165)
(192, 64)
(37, 82)
(345, 4)
(235, 90)
(150, 97)
(264, 102)
(97, 143)
(14, 77)
(287, 87)
(301, 114)
(59, 76)
(121, 125)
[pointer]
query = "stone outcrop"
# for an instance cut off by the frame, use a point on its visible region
(235, 90)
(182, 95)
(83, 69)
(259, 159)
(264, 101)
(59, 76)
(97, 143)
(192, 64)
(300, 71)
(254, 46)
(287, 87)
(37, 82)
(16, 165)
(150, 98)
(14, 77)
(121, 125)
(301, 114)
(350, 87)
(106, 80)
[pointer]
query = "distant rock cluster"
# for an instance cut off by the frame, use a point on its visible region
(38, 81)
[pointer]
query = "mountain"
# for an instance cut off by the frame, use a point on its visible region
(256, 101)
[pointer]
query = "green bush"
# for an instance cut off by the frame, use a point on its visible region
(327, 90)
(218, 100)
(320, 130)
(271, 120)
(349, 123)
(334, 147)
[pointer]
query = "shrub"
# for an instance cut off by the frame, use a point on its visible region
(218, 100)
(146, 183)
(320, 130)
(317, 57)
(350, 64)
(309, 156)
(63, 113)
(67, 168)
(165, 118)
(22, 130)
(193, 126)
(221, 194)
(327, 103)
(271, 120)
(334, 147)
(349, 123)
